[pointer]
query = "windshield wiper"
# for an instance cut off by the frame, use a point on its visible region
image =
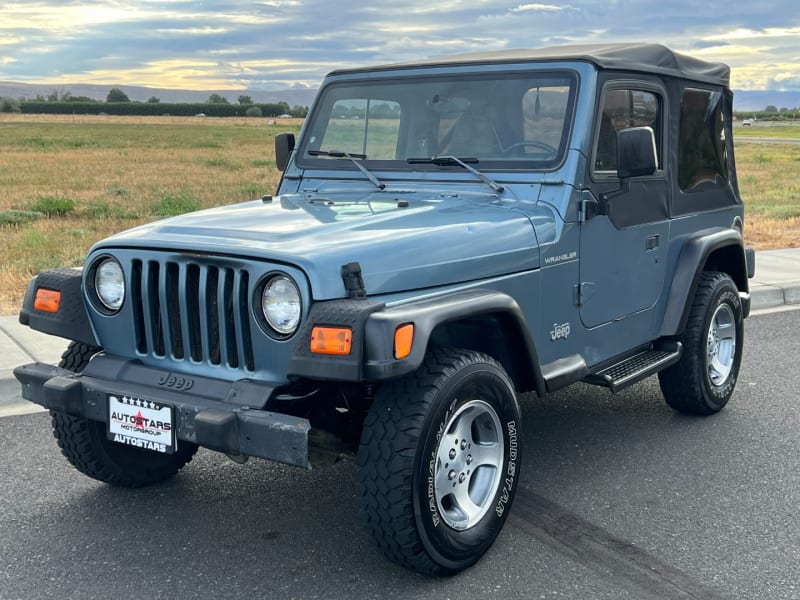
(452, 160)
(352, 158)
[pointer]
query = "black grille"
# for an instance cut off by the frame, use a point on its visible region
(192, 311)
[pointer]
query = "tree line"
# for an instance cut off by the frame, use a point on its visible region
(118, 103)
(770, 113)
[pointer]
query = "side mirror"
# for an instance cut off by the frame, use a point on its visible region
(284, 144)
(636, 152)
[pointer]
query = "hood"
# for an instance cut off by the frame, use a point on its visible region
(403, 241)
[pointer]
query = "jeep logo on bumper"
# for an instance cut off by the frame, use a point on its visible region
(176, 382)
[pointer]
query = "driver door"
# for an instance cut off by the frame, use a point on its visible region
(623, 249)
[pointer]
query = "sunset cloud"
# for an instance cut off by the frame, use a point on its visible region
(234, 44)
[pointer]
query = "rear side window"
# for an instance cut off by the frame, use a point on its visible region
(702, 154)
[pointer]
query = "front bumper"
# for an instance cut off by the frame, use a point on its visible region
(219, 415)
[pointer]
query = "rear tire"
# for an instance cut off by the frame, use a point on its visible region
(703, 381)
(83, 442)
(439, 461)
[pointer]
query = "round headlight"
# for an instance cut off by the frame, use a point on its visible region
(109, 284)
(280, 302)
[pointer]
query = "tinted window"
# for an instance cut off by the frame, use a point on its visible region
(623, 108)
(702, 156)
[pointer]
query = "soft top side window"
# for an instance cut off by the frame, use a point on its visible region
(702, 154)
(623, 108)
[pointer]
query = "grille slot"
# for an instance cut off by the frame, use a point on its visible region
(192, 311)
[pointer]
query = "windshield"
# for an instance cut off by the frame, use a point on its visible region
(505, 121)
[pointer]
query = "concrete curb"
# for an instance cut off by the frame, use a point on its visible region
(19, 345)
(777, 279)
(11, 403)
(770, 296)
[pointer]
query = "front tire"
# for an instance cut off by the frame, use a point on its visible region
(84, 443)
(703, 381)
(439, 462)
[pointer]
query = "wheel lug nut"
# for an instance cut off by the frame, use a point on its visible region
(469, 459)
(451, 474)
(461, 478)
(463, 444)
(452, 454)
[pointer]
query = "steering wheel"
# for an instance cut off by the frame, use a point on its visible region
(535, 143)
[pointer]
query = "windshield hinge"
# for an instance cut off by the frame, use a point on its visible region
(353, 282)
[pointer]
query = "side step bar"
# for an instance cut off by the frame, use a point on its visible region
(635, 368)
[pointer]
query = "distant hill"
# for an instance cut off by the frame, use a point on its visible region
(292, 96)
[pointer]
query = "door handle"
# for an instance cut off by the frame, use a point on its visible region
(652, 242)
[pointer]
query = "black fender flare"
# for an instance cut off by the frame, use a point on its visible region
(692, 260)
(430, 313)
(70, 321)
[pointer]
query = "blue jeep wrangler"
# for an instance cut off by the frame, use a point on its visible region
(447, 235)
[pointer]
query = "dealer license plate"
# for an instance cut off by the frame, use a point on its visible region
(141, 423)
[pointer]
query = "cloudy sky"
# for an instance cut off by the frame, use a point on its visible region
(273, 44)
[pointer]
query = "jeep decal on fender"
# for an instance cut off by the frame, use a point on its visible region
(559, 332)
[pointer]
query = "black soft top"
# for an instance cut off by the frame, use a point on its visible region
(642, 58)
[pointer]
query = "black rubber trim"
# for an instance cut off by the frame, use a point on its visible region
(750, 258)
(428, 314)
(334, 313)
(71, 321)
(564, 371)
(689, 269)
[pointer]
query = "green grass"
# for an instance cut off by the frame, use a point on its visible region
(768, 178)
(51, 206)
(262, 163)
(13, 216)
(791, 132)
(253, 190)
(104, 210)
(222, 163)
(171, 205)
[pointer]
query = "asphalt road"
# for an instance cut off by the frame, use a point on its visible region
(621, 498)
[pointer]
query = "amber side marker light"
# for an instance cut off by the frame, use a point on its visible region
(403, 340)
(331, 340)
(47, 300)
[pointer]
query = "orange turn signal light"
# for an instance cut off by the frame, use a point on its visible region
(47, 300)
(403, 340)
(331, 340)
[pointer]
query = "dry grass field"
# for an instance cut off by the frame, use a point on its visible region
(91, 176)
(67, 181)
(768, 183)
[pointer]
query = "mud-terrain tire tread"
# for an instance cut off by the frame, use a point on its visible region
(77, 356)
(682, 383)
(386, 456)
(83, 443)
